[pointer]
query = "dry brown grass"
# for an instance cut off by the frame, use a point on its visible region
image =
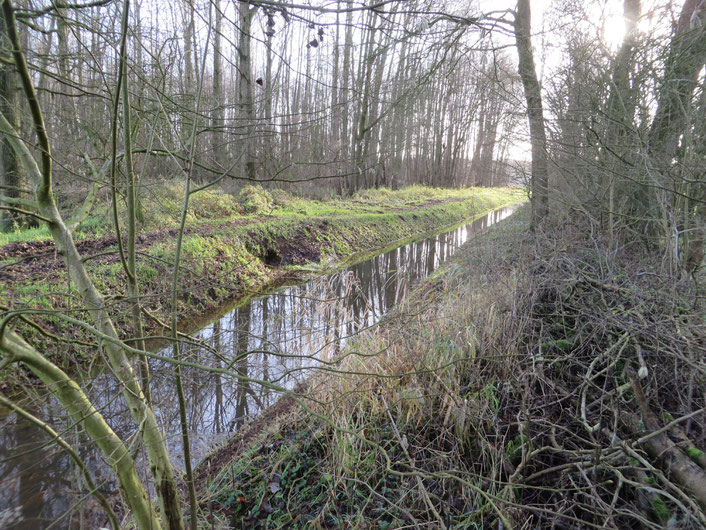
(537, 382)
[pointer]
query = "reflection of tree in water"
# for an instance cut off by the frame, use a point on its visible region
(217, 381)
(33, 479)
(280, 338)
(240, 347)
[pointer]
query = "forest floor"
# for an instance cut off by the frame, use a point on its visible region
(541, 380)
(234, 247)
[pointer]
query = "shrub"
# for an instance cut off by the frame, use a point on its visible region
(255, 199)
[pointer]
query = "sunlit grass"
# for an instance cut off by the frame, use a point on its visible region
(161, 207)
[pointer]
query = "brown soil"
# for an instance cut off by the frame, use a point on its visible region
(31, 260)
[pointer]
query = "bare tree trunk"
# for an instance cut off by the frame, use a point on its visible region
(357, 179)
(335, 89)
(131, 268)
(620, 105)
(187, 87)
(269, 132)
(347, 84)
(13, 176)
(376, 111)
(67, 111)
(480, 139)
(535, 113)
(217, 121)
(246, 100)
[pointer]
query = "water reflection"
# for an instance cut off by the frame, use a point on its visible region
(279, 338)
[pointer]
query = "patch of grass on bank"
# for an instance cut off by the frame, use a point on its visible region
(528, 383)
(233, 257)
(161, 206)
(25, 234)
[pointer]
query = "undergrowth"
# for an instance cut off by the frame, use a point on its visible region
(537, 382)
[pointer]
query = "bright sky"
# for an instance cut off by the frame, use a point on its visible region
(605, 15)
(610, 12)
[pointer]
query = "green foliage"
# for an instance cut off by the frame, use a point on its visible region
(661, 509)
(561, 345)
(514, 448)
(294, 492)
(213, 204)
(255, 200)
(24, 234)
(694, 453)
(162, 206)
(281, 198)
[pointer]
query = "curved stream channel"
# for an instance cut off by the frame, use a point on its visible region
(279, 338)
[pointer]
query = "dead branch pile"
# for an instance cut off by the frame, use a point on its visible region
(543, 383)
(611, 412)
(559, 386)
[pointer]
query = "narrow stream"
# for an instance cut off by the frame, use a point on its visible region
(279, 338)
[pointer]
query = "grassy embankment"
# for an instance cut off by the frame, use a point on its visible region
(233, 247)
(535, 381)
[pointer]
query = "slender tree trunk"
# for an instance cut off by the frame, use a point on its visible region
(335, 89)
(538, 138)
(187, 87)
(620, 105)
(346, 91)
(360, 147)
(41, 176)
(246, 100)
(131, 270)
(13, 176)
(217, 121)
(269, 130)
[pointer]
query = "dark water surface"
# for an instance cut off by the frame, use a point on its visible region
(278, 338)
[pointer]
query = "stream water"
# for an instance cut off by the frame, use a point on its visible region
(279, 338)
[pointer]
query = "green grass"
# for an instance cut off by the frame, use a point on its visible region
(25, 234)
(162, 204)
(231, 254)
(232, 257)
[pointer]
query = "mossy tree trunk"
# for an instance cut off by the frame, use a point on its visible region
(94, 302)
(13, 179)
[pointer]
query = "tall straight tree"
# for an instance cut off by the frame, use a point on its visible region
(620, 103)
(218, 95)
(13, 179)
(685, 60)
(535, 113)
(246, 98)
